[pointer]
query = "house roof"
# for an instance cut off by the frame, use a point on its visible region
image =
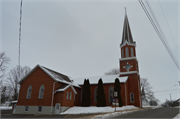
(105, 78)
(64, 87)
(53, 74)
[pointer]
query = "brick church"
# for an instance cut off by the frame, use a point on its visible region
(45, 91)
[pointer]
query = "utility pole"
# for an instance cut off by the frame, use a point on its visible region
(170, 97)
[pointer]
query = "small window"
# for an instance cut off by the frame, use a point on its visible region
(39, 108)
(67, 95)
(41, 91)
(95, 94)
(132, 52)
(70, 96)
(29, 92)
(122, 53)
(26, 108)
(127, 52)
(132, 97)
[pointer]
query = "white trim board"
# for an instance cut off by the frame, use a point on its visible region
(130, 72)
(128, 58)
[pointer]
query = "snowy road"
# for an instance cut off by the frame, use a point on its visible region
(152, 113)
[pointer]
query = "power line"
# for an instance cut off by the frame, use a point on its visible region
(159, 34)
(168, 24)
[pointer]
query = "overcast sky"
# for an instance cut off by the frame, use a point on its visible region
(82, 39)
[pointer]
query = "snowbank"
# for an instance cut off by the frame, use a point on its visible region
(5, 108)
(111, 115)
(94, 109)
(152, 107)
(177, 116)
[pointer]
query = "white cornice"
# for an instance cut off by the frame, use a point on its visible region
(130, 72)
(128, 43)
(128, 58)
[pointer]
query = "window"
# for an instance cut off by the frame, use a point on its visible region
(29, 92)
(122, 53)
(132, 52)
(26, 108)
(67, 95)
(127, 52)
(70, 96)
(111, 90)
(39, 108)
(95, 94)
(41, 91)
(132, 97)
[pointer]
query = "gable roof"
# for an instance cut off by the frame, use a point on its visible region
(64, 87)
(53, 74)
(105, 78)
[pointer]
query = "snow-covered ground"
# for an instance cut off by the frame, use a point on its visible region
(5, 108)
(177, 116)
(94, 109)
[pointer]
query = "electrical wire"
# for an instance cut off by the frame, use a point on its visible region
(168, 25)
(159, 34)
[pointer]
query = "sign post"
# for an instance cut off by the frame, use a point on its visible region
(115, 95)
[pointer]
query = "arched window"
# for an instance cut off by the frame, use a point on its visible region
(122, 53)
(127, 52)
(70, 96)
(29, 92)
(95, 94)
(41, 91)
(132, 52)
(111, 91)
(131, 97)
(67, 95)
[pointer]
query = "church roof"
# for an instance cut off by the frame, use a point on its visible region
(53, 74)
(64, 87)
(127, 36)
(105, 78)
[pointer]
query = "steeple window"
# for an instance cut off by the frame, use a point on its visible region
(132, 52)
(122, 53)
(127, 52)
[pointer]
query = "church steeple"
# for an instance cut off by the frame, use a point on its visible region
(126, 36)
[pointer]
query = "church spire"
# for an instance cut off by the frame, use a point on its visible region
(127, 36)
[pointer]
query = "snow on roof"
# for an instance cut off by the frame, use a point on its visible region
(53, 74)
(64, 87)
(105, 79)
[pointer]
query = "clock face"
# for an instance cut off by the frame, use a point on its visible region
(127, 66)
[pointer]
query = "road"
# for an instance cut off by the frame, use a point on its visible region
(152, 113)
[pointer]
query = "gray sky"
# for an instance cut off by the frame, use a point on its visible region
(82, 39)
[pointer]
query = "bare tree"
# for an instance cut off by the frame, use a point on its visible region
(113, 71)
(13, 78)
(4, 60)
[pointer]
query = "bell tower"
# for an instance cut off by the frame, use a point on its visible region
(129, 65)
